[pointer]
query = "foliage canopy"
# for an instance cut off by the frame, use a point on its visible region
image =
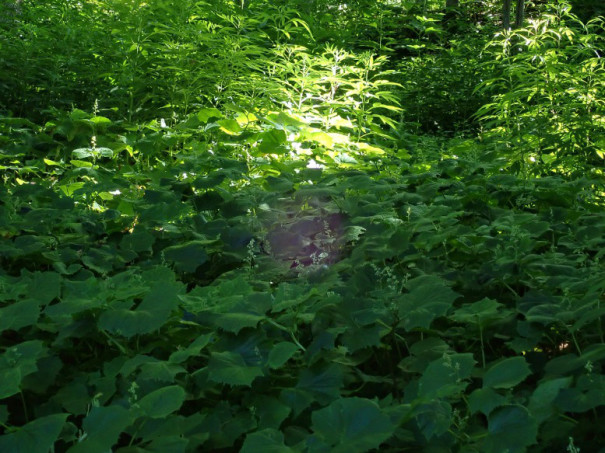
(300, 226)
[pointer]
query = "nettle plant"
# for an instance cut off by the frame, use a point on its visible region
(338, 90)
(548, 93)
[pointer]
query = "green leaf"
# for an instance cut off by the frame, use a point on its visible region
(229, 126)
(162, 402)
(485, 400)
(160, 371)
(192, 350)
(168, 444)
(100, 259)
(100, 120)
(568, 363)
(279, 184)
(434, 418)
(586, 395)
(352, 425)
(21, 313)
(37, 436)
(272, 142)
(281, 353)
(429, 297)
(477, 312)
(45, 287)
(81, 163)
(507, 373)
(103, 426)
(270, 411)
(541, 403)
(230, 368)
(446, 376)
(208, 113)
(284, 120)
(511, 429)
(150, 315)
(188, 256)
(268, 440)
(297, 399)
(353, 233)
(324, 382)
(18, 362)
(234, 322)
(83, 153)
(139, 240)
(323, 138)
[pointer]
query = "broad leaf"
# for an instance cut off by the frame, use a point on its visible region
(150, 315)
(234, 322)
(103, 426)
(507, 373)
(18, 362)
(512, 429)
(428, 298)
(186, 257)
(478, 312)
(37, 436)
(230, 368)
(485, 400)
(272, 142)
(268, 440)
(19, 314)
(446, 376)
(162, 402)
(352, 425)
(325, 382)
(281, 353)
(541, 403)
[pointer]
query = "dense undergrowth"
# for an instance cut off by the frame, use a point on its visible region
(300, 227)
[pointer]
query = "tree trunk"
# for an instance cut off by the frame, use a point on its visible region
(506, 14)
(520, 13)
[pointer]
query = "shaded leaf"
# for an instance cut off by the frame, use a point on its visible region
(162, 402)
(428, 298)
(37, 436)
(512, 429)
(21, 313)
(541, 403)
(103, 426)
(150, 315)
(352, 425)
(281, 353)
(234, 322)
(188, 256)
(18, 362)
(268, 440)
(446, 376)
(230, 368)
(485, 400)
(507, 373)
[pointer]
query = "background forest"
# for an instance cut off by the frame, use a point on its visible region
(302, 226)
